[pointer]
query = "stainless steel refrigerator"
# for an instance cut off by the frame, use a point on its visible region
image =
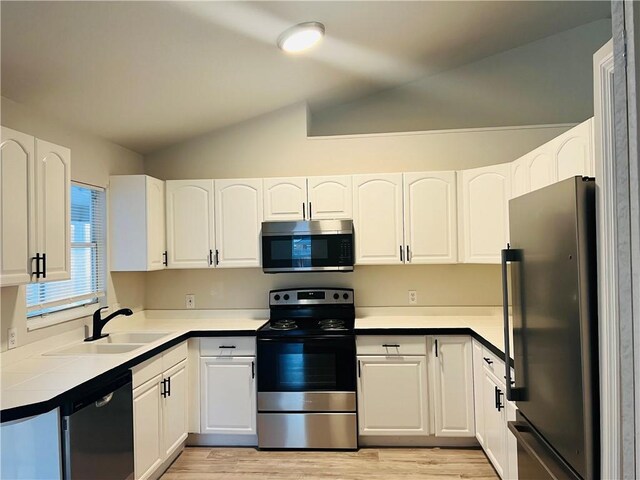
(551, 282)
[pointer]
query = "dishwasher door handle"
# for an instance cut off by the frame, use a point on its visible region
(104, 400)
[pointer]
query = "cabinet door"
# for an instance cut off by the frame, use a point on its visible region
(392, 395)
(453, 386)
(520, 176)
(156, 231)
(238, 222)
(147, 428)
(573, 151)
(478, 391)
(484, 228)
(190, 238)
(495, 424)
(17, 226)
(541, 168)
(430, 217)
(377, 218)
(285, 198)
(174, 408)
(53, 208)
(228, 395)
(330, 197)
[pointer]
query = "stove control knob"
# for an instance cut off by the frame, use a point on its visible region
(345, 296)
(286, 296)
(276, 297)
(336, 296)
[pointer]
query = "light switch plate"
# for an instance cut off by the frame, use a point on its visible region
(190, 300)
(413, 297)
(12, 338)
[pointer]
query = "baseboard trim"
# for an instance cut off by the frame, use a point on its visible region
(216, 440)
(417, 441)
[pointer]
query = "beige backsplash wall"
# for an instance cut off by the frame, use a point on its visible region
(93, 159)
(375, 286)
(276, 144)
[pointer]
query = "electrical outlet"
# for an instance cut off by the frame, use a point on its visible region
(413, 297)
(12, 341)
(190, 300)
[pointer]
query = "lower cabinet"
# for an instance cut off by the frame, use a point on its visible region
(392, 395)
(159, 410)
(452, 380)
(228, 387)
(495, 421)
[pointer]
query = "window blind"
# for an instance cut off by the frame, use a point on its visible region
(88, 268)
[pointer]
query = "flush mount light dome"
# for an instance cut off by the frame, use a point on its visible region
(301, 37)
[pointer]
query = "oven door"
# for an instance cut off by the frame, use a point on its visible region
(307, 364)
(307, 252)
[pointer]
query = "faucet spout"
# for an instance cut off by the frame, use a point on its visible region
(99, 322)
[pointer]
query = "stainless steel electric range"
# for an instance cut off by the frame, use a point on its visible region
(307, 370)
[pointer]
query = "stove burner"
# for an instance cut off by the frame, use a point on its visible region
(284, 325)
(332, 324)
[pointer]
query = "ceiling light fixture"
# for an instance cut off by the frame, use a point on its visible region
(301, 37)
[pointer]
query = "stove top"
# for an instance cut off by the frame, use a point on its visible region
(309, 312)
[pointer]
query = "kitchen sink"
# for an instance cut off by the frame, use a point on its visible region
(95, 349)
(133, 337)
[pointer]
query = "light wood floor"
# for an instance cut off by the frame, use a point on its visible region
(205, 463)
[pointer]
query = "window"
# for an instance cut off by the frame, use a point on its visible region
(66, 298)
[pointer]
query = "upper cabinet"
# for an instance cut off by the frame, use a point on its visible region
(238, 206)
(377, 218)
(430, 213)
(35, 203)
(330, 197)
(137, 223)
(565, 156)
(483, 212)
(313, 198)
(190, 224)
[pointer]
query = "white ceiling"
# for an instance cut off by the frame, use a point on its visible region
(147, 75)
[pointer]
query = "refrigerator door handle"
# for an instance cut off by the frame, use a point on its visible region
(508, 255)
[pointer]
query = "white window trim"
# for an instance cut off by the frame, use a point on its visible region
(83, 311)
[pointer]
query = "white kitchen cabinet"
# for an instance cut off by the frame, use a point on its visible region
(147, 428)
(478, 397)
(573, 151)
(512, 445)
(53, 208)
(285, 198)
(430, 217)
(392, 395)
(228, 395)
(137, 223)
(312, 198)
(35, 202)
(17, 215)
(452, 389)
(160, 410)
(238, 221)
(378, 219)
(483, 213)
(330, 197)
(190, 224)
(495, 444)
(174, 408)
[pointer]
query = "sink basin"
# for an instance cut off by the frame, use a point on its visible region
(133, 337)
(95, 349)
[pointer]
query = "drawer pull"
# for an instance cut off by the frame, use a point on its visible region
(227, 346)
(391, 345)
(488, 360)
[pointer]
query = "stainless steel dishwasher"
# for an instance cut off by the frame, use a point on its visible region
(97, 433)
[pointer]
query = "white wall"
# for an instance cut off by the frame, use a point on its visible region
(93, 159)
(543, 82)
(277, 145)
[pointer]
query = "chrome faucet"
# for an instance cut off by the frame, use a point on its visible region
(99, 322)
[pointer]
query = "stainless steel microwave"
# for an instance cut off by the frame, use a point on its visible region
(307, 246)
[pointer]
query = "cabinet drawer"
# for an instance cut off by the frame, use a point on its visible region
(174, 355)
(145, 371)
(495, 365)
(228, 346)
(391, 345)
